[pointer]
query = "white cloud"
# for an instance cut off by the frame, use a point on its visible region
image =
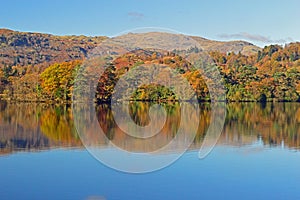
(254, 37)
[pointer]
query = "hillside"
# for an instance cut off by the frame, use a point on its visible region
(25, 48)
(39, 67)
(167, 41)
(245, 48)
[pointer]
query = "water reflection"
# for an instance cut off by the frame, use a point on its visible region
(140, 115)
(31, 127)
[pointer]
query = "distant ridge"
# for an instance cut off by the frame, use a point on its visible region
(27, 48)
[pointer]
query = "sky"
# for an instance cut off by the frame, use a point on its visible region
(260, 22)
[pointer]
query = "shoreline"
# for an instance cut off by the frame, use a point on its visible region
(52, 102)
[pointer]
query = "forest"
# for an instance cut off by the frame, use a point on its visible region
(271, 74)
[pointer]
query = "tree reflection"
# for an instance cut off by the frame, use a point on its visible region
(39, 126)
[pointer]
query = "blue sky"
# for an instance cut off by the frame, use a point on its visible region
(258, 21)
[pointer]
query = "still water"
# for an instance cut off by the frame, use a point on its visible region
(257, 155)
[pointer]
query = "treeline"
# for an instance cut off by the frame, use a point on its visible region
(272, 74)
(31, 83)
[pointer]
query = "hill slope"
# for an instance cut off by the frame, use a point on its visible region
(25, 48)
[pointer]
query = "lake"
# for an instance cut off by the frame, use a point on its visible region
(257, 155)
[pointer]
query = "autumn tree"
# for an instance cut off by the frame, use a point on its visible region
(57, 80)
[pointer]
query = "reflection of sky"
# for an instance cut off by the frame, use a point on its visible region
(227, 173)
